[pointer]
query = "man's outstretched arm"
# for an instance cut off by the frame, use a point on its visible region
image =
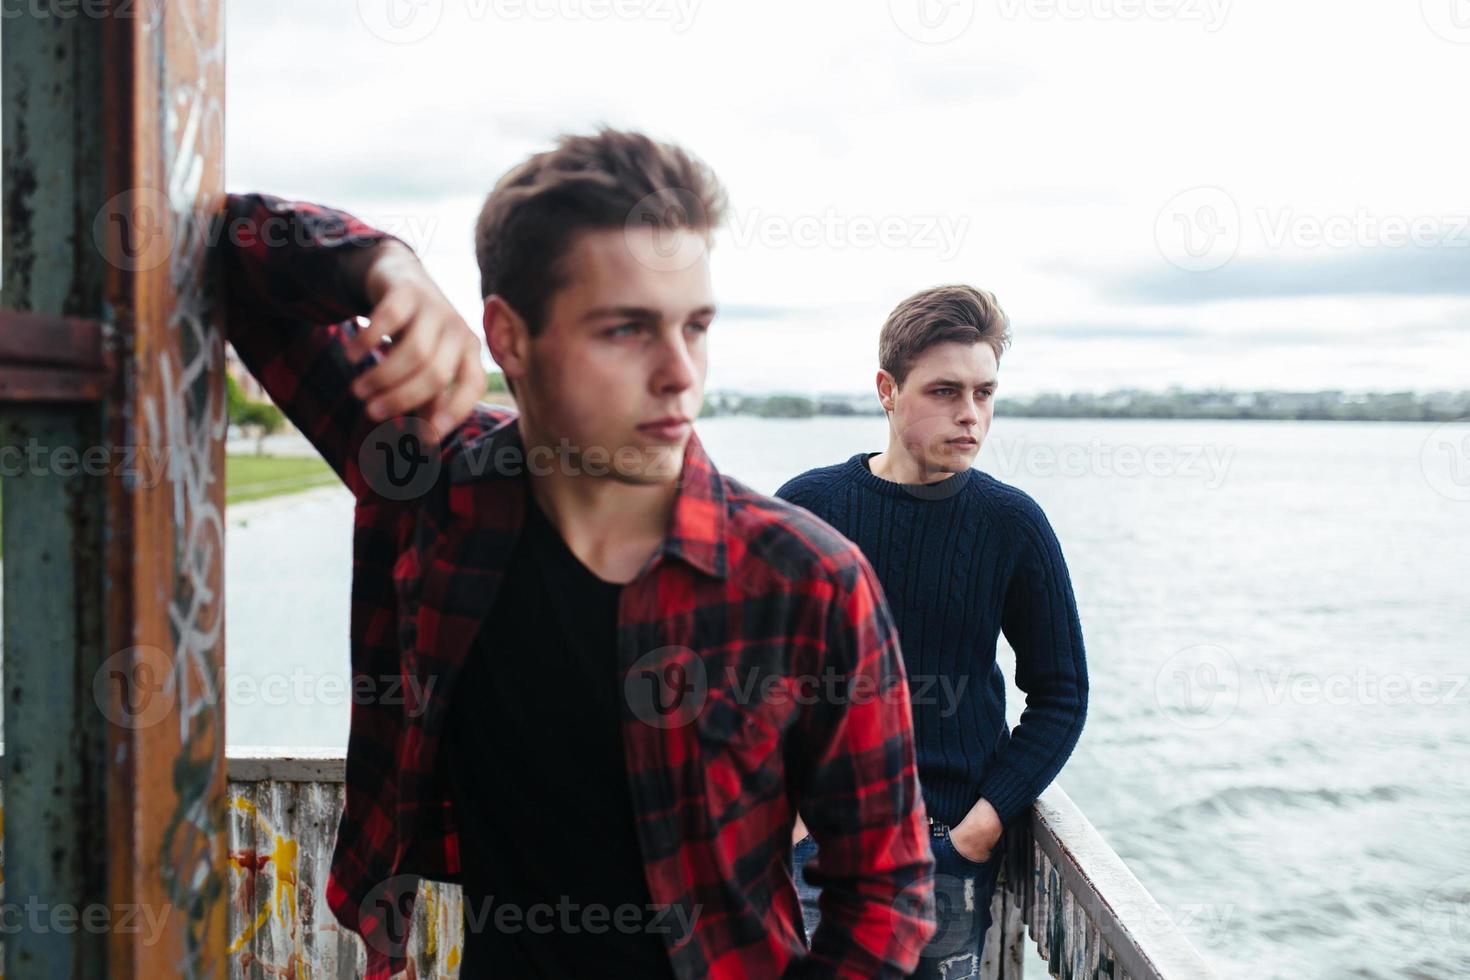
(860, 798)
(296, 275)
(1040, 621)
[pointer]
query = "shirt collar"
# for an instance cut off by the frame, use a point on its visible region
(696, 533)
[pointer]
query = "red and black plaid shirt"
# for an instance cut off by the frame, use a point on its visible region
(760, 662)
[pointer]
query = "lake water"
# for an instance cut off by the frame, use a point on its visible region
(1276, 617)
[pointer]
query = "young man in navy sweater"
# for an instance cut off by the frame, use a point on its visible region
(962, 558)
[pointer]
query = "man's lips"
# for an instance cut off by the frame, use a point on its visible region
(669, 427)
(964, 441)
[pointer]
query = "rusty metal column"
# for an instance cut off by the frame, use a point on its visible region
(113, 410)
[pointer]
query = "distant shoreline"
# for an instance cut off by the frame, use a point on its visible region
(1254, 406)
(1214, 404)
(1121, 418)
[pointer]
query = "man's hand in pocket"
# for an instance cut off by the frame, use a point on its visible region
(976, 835)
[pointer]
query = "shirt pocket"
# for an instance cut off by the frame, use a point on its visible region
(740, 750)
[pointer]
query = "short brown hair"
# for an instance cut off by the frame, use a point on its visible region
(934, 316)
(586, 183)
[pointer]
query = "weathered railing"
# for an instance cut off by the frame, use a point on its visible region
(1086, 913)
(284, 806)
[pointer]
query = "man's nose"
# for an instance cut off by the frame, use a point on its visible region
(676, 367)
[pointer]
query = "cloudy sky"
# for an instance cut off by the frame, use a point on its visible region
(1248, 193)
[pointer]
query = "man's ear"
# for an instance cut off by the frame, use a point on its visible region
(507, 336)
(887, 390)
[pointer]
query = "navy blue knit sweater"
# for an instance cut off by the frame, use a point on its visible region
(962, 561)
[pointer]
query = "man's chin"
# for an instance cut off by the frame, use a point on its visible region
(649, 462)
(952, 459)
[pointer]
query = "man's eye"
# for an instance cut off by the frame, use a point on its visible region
(699, 326)
(618, 331)
(985, 396)
(943, 392)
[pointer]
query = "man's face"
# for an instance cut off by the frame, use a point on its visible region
(623, 347)
(942, 411)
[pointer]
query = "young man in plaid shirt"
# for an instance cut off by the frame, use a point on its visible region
(607, 649)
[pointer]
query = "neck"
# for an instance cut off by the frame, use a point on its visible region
(603, 507)
(898, 465)
(612, 525)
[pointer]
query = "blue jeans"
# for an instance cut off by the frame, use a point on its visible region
(962, 894)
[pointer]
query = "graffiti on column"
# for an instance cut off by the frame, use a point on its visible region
(187, 414)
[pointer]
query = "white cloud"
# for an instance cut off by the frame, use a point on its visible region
(1052, 132)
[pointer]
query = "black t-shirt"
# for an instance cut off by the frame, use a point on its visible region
(553, 871)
